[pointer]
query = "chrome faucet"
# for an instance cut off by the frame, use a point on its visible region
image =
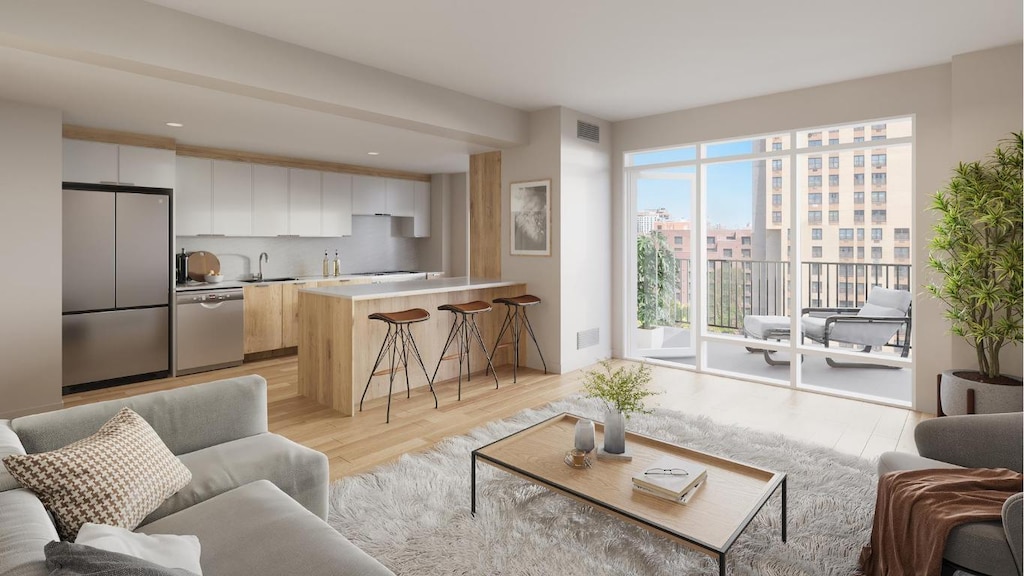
(263, 257)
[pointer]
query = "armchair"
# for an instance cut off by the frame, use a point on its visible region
(973, 441)
(874, 324)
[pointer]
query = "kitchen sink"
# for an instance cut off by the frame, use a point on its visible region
(254, 281)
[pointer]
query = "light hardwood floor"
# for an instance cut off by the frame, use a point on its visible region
(362, 442)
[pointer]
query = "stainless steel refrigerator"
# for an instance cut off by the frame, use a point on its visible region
(116, 265)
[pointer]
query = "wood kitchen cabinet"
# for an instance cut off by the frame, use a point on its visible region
(104, 163)
(263, 317)
(290, 311)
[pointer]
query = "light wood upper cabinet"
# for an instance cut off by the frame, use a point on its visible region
(336, 202)
(193, 196)
(304, 209)
(401, 201)
(369, 196)
(269, 200)
(103, 163)
(263, 317)
(232, 198)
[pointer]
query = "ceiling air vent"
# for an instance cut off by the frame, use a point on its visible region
(587, 131)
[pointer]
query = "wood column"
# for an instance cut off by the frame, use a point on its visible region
(485, 215)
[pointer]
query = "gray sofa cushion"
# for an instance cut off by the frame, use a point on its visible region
(186, 419)
(67, 559)
(257, 529)
(982, 547)
(25, 528)
(974, 441)
(300, 472)
(9, 444)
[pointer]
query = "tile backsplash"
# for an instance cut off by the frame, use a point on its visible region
(370, 248)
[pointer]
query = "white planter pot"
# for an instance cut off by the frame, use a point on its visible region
(649, 339)
(988, 398)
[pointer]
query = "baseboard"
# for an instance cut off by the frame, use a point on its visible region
(28, 411)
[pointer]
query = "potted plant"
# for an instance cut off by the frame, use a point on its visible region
(977, 250)
(655, 288)
(623, 391)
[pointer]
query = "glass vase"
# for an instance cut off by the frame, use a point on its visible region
(585, 435)
(614, 432)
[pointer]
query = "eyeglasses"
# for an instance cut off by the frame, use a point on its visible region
(667, 472)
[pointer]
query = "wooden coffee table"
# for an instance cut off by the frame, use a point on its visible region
(710, 522)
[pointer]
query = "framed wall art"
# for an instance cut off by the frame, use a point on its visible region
(531, 218)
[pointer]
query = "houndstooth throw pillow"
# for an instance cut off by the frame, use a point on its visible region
(117, 476)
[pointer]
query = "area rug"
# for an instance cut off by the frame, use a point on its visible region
(414, 517)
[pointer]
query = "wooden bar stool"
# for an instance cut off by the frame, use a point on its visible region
(515, 320)
(463, 327)
(398, 342)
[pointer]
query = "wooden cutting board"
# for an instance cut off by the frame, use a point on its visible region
(200, 264)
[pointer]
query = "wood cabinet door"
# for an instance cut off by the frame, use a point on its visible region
(290, 311)
(193, 196)
(262, 317)
(269, 200)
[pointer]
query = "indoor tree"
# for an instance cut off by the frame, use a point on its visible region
(656, 279)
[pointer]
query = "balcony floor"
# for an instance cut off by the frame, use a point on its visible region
(883, 383)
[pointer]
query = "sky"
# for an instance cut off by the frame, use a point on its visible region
(729, 186)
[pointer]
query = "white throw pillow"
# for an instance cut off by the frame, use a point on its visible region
(168, 550)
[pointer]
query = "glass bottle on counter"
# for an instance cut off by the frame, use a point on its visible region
(327, 265)
(337, 264)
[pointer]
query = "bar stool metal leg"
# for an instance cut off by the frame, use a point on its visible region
(529, 328)
(480, 340)
(384, 348)
(419, 359)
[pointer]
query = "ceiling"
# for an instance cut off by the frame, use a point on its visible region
(614, 60)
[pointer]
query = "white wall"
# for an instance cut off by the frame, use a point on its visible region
(925, 92)
(30, 248)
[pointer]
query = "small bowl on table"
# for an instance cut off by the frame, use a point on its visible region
(214, 278)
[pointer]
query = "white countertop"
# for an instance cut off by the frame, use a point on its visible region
(407, 288)
(239, 284)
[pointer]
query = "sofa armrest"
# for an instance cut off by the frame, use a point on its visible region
(974, 441)
(9, 444)
(1013, 525)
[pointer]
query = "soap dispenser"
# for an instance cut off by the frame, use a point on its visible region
(327, 265)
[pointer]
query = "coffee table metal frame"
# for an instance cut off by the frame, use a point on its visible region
(777, 480)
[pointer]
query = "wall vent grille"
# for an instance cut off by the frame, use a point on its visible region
(588, 338)
(587, 131)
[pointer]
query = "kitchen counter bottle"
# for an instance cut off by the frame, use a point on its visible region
(337, 264)
(327, 265)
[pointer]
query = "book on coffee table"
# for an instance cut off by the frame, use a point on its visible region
(680, 500)
(670, 477)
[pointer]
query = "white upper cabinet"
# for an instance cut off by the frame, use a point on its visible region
(400, 197)
(304, 211)
(103, 163)
(193, 196)
(232, 198)
(421, 218)
(269, 200)
(369, 196)
(336, 201)
(150, 167)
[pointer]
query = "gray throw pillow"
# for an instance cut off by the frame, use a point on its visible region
(68, 559)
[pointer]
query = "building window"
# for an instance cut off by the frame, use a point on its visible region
(876, 252)
(846, 251)
(814, 198)
(878, 137)
(745, 240)
(878, 160)
(776, 145)
(833, 141)
(813, 143)
(678, 239)
(901, 234)
(860, 234)
(814, 163)
(876, 234)
(858, 197)
(878, 216)
(813, 216)
(814, 181)
(858, 160)
(711, 240)
(777, 182)
(860, 252)
(815, 233)
(815, 251)
(878, 197)
(815, 268)
(845, 270)
(858, 138)
(833, 161)
(776, 199)
(858, 179)
(846, 233)
(901, 252)
(777, 164)
(833, 197)
(878, 127)
(777, 216)
(877, 178)
(727, 253)
(833, 179)
(745, 252)
(858, 215)
(833, 215)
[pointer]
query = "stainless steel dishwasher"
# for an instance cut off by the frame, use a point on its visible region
(211, 330)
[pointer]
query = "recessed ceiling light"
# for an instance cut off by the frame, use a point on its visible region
(374, 153)
(174, 124)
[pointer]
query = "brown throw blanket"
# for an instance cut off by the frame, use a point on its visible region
(916, 509)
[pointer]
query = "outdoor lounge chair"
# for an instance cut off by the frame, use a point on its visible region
(872, 325)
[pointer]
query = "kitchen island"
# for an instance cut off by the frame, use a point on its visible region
(338, 343)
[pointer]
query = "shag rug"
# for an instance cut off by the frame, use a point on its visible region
(413, 515)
